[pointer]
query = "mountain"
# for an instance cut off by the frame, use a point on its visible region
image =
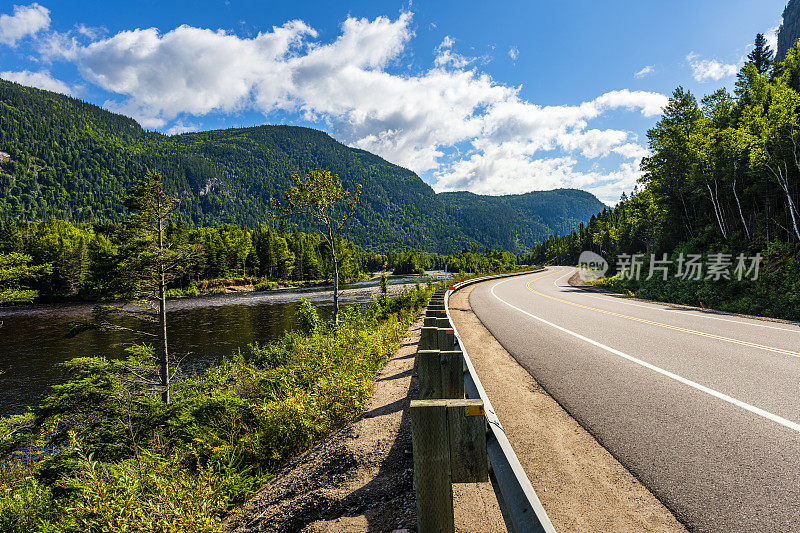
(66, 158)
(789, 31)
(515, 221)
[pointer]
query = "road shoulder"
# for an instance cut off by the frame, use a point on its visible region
(581, 485)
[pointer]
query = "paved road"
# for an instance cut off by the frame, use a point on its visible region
(703, 408)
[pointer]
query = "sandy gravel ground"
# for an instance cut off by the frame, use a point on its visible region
(581, 486)
(360, 477)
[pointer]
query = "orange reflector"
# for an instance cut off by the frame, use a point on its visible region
(474, 410)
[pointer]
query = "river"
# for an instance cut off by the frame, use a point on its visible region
(202, 330)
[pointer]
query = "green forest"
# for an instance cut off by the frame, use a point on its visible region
(64, 158)
(55, 260)
(723, 177)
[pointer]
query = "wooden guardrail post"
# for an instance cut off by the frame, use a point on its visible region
(429, 338)
(452, 374)
(429, 372)
(442, 433)
(446, 336)
(431, 450)
(441, 374)
(469, 460)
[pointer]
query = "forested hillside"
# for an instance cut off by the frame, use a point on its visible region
(75, 161)
(520, 219)
(723, 178)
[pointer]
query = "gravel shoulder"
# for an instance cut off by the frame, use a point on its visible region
(580, 484)
(360, 478)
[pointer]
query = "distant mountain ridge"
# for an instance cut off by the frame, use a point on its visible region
(74, 160)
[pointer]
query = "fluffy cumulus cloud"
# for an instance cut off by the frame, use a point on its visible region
(25, 21)
(41, 79)
(709, 69)
(453, 123)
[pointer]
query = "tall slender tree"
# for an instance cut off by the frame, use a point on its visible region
(320, 195)
(148, 265)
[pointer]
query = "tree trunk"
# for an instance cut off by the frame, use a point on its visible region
(335, 285)
(741, 214)
(782, 177)
(687, 220)
(766, 210)
(793, 213)
(717, 212)
(163, 362)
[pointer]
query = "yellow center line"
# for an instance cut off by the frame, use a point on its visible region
(659, 324)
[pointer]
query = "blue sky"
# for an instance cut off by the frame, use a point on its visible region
(492, 97)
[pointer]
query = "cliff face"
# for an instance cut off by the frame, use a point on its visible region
(790, 29)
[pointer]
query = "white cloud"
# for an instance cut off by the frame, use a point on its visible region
(41, 80)
(771, 35)
(447, 42)
(709, 69)
(631, 151)
(188, 70)
(446, 56)
(451, 122)
(650, 104)
(92, 32)
(513, 53)
(26, 21)
(646, 71)
(179, 127)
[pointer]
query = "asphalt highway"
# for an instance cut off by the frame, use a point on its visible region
(703, 408)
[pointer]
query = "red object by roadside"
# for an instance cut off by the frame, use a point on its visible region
(451, 288)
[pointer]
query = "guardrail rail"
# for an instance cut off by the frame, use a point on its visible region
(522, 510)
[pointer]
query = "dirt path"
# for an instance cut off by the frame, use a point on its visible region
(360, 477)
(581, 486)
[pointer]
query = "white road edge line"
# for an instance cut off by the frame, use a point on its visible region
(687, 312)
(702, 388)
(556, 280)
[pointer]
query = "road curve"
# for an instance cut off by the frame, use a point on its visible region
(703, 408)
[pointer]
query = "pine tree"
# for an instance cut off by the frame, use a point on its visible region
(148, 264)
(762, 55)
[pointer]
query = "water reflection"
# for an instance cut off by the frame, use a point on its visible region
(204, 330)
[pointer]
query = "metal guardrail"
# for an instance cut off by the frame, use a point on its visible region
(522, 510)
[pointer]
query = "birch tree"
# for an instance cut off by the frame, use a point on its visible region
(321, 196)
